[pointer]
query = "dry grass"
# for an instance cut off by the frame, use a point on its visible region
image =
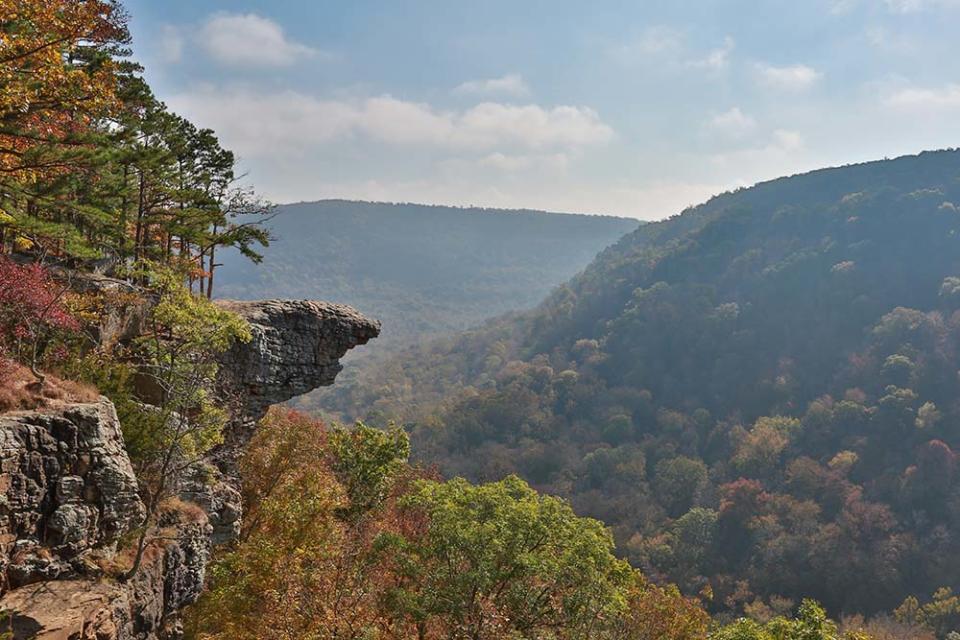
(20, 391)
(184, 512)
(173, 512)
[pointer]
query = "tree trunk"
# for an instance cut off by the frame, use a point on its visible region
(213, 266)
(141, 231)
(124, 205)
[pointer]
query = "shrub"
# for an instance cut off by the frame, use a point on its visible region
(32, 312)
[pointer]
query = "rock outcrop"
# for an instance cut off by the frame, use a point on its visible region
(296, 348)
(99, 608)
(68, 492)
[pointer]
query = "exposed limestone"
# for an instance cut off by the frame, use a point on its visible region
(68, 495)
(296, 348)
(68, 492)
(206, 486)
(145, 608)
(62, 609)
(66, 489)
(124, 307)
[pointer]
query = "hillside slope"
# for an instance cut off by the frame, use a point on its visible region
(759, 395)
(421, 270)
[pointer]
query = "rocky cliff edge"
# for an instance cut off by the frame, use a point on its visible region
(69, 496)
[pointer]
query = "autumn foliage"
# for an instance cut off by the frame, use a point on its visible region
(301, 568)
(32, 311)
(377, 549)
(56, 78)
(93, 166)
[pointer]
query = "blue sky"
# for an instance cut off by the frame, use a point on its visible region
(631, 108)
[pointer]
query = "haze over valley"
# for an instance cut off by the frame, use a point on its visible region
(479, 321)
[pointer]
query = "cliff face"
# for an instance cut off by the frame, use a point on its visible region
(90, 606)
(68, 493)
(67, 490)
(296, 347)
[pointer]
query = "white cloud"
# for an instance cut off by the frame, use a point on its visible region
(892, 41)
(717, 59)
(531, 126)
(658, 40)
(790, 78)
(905, 6)
(733, 123)
(259, 123)
(652, 42)
(249, 39)
(912, 6)
(514, 163)
(839, 7)
(779, 151)
(171, 44)
(786, 140)
(895, 6)
(399, 122)
(662, 45)
(262, 124)
(511, 84)
(926, 99)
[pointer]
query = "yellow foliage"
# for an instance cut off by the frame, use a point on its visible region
(49, 90)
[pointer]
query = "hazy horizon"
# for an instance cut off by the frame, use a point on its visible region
(595, 213)
(619, 109)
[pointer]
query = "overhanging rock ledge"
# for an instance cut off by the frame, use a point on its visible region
(296, 348)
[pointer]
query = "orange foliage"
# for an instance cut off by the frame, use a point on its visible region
(299, 571)
(303, 570)
(55, 78)
(662, 613)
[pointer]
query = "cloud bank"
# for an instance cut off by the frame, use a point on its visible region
(258, 124)
(511, 84)
(250, 40)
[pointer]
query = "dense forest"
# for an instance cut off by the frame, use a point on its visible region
(757, 395)
(420, 270)
(346, 539)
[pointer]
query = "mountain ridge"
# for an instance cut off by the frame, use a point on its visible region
(766, 374)
(423, 270)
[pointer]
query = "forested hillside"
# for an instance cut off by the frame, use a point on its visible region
(759, 395)
(421, 270)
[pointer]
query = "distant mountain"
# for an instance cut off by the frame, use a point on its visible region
(759, 395)
(420, 270)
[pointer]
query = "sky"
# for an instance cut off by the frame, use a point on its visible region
(620, 107)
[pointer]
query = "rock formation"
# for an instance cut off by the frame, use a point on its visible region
(296, 347)
(68, 491)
